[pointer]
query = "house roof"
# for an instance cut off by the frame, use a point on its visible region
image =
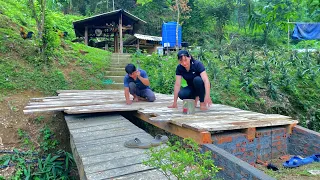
(131, 39)
(110, 18)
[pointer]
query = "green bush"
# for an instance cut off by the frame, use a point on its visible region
(160, 70)
(183, 161)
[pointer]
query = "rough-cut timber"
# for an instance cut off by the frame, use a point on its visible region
(217, 118)
(97, 146)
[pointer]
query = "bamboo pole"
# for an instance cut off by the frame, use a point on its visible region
(288, 35)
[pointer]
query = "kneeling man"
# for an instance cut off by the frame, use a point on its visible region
(136, 83)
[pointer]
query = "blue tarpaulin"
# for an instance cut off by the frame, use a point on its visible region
(306, 31)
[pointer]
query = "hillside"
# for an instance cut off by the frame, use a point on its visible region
(23, 76)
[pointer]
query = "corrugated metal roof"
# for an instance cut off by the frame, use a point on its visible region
(147, 37)
(109, 17)
(108, 14)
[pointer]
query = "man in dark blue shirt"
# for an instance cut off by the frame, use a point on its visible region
(195, 74)
(136, 83)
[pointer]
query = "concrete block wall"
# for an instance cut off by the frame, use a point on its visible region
(268, 143)
(233, 168)
(303, 142)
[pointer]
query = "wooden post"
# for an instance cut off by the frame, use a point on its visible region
(138, 47)
(106, 45)
(120, 33)
(116, 44)
(86, 35)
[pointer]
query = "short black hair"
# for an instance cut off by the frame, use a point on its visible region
(130, 68)
(183, 53)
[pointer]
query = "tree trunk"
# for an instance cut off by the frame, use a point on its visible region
(177, 28)
(70, 7)
(43, 38)
(40, 25)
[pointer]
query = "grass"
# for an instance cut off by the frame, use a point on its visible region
(292, 173)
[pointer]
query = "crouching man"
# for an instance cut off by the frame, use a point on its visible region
(137, 84)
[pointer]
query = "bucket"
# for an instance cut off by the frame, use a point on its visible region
(188, 106)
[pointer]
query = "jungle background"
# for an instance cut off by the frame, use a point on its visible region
(243, 44)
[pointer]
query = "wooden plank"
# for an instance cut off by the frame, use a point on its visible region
(104, 127)
(78, 98)
(116, 163)
(88, 124)
(30, 111)
(98, 158)
(68, 104)
(100, 134)
(74, 101)
(99, 108)
(115, 139)
(97, 118)
(101, 149)
(112, 173)
(217, 126)
(77, 159)
(81, 91)
(145, 175)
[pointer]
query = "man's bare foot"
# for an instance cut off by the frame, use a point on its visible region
(203, 106)
(142, 99)
(135, 98)
(196, 101)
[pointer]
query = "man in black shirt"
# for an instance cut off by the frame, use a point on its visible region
(194, 73)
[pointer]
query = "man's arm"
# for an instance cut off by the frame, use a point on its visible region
(127, 95)
(143, 78)
(126, 90)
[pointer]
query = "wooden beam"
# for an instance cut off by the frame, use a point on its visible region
(289, 128)
(201, 137)
(138, 44)
(120, 33)
(116, 44)
(250, 133)
(86, 40)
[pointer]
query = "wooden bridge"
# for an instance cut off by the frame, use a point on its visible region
(97, 139)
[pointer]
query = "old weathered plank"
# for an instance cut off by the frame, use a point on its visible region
(99, 147)
(112, 173)
(96, 101)
(98, 158)
(115, 139)
(145, 175)
(103, 134)
(117, 163)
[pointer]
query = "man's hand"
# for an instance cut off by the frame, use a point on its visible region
(128, 102)
(138, 73)
(174, 105)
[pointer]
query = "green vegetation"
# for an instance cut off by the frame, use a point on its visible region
(278, 82)
(30, 165)
(21, 67)
(183, 161)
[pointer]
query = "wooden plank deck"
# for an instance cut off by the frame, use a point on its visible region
(97, 146)
(217, 118)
